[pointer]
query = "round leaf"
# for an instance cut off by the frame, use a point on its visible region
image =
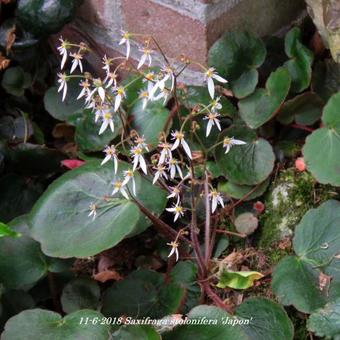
(321, 154)
(239, 191)
(63, 110)
(248, 164)
(47, 325)
(87, 137)
(263, 104)
(325, 322)
(270, 320)
(82, 293)
(236, 55)
(300, 64)
(305, 109)
(142, 288)
(150, 121)
(133, 332)
(21, 260)
(60, 220)
(316, 242)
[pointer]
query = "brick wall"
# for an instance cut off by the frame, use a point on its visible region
(180, 26)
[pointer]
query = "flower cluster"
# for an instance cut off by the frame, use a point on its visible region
(171, 164)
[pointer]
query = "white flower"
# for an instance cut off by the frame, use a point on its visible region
(98, 87)
(215, 104)
(144, 96)
(166, 154)
(179, 139)
(100, 110)
(173, 166)
(107, 63)
(212, 120)
(229, 142)
(110, 152)
(77, 57)
(210, 74)
(118, 187)
(175, 192)
(63, 51)
(152, 83)
(140, 142)
(85, 88)
(146, 55)
(93, 211)
(138, 159)
(120, 94)
(107, 121)
(110, 79)
(174, 249)
(126, 40)
(129, 175)
(162, 94)
(63, 84)
(216, 199)
(159, 173)
(169, 74)
(177, 210)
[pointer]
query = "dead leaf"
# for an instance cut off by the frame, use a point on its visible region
(3, 62)
(316, 44)
(324, 282)
(107, 275)
(63, 130)
(10, 38)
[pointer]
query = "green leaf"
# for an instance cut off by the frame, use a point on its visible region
(264, 104)
(87, 137)
(18, 194)
(150, 121)
(195, 95)
(142, 293)
(255, 319)
(248, 164)
(326, 79)
(330, 116)
(239, 191)
(133, 332)
(44, 324)
(238, 280)
(236, 56)
(300, 63)
(21, 260)
(216, 330)
(305, 109)
(296, 283)
(321, 147)
(45, 17)
(32, 159)
(316, 242)
(60, 220)
(184, 274)
(6, 230)
(325, 322)
(270, 319)
(81, 293)
(15, 80)
(67, 109)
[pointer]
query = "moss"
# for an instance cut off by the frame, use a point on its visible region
(288, 199)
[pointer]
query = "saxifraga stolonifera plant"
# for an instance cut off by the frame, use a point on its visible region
(172, 163)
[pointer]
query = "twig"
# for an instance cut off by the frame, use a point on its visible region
(221, 231)
(207, 220)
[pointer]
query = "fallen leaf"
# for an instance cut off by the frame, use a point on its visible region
(324, 282)
(72, 163)
(107, 275)
(10, 38)
(3, 62)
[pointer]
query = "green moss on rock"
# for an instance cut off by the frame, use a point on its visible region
(288, 199)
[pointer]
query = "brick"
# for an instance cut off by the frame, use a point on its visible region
(176, 33)
(92, 11)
